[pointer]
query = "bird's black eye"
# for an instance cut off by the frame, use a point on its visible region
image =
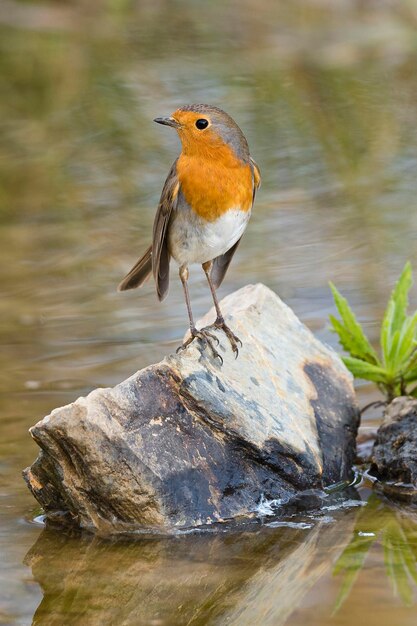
(201, 124)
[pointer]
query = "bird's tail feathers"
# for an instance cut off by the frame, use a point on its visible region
(139, 272)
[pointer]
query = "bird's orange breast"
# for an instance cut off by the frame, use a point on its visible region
(214, 181)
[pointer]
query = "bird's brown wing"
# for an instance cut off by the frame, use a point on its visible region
(156, 257)
(160, 253)
(221, 263)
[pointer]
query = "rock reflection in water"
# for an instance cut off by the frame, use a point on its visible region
(253, 577)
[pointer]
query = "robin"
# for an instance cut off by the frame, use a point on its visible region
(204, 209)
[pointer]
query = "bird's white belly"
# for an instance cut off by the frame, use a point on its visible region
(193, 240)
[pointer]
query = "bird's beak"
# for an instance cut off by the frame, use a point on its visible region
(167, 121)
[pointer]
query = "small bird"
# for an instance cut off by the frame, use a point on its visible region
(204, 209)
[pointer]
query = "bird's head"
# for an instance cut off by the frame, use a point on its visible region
(203, 129)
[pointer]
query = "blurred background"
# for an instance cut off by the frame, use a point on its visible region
(325, 91)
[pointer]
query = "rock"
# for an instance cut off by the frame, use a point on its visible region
(188, 442)
(394, 456)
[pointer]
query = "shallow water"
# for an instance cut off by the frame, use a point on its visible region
(325, 93)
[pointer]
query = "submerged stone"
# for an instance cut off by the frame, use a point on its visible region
(189, 441)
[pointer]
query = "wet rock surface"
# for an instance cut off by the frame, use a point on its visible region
(394, 456)
(188, 442)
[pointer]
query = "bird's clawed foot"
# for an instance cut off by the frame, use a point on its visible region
(233, 339)
(206, 337)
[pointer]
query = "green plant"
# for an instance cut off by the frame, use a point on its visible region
(396, 368)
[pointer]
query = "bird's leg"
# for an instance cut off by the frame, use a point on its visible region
(206, 337)
(220, 323)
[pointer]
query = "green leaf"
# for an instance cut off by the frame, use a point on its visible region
(396, 312)
(410, 375)
(400, 296)
(346, 340)
(386, 331)
(351, 335)
(393, 349)
(407, 342)
(367, 371)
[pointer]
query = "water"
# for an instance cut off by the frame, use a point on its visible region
(325, 93)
